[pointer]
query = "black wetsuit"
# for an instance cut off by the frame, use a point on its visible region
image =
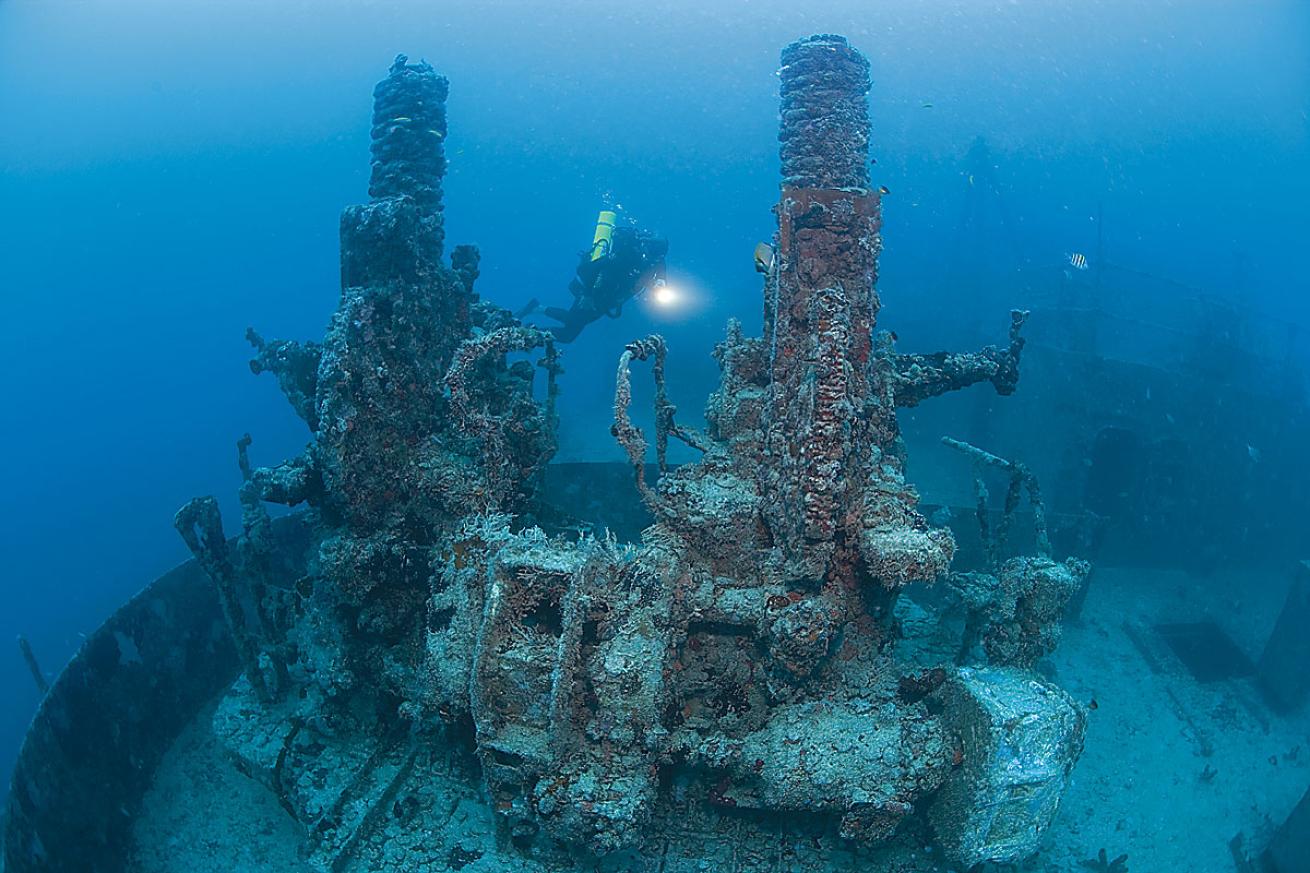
(603, 285)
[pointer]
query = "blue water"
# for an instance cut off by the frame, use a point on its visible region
(171, 173)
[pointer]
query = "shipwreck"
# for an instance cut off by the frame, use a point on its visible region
(731, 689)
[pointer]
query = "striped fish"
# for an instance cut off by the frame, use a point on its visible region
(1078, 261)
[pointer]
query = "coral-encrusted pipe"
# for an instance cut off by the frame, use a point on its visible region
(409, 135)
(820, 427)
(825, 116)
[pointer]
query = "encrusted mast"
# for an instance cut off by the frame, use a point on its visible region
(831, 414)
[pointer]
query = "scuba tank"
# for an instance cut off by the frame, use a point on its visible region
(603, 241)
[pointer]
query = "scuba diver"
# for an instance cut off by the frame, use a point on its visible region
(623, 261)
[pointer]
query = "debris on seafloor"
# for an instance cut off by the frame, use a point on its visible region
(1015, 608)
(1104, 864)
(625, 703)
(1242, 863)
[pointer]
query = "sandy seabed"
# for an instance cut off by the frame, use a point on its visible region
(1173, 769)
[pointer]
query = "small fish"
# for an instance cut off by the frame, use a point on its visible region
(1078, 261)
(1253, 453)
(401, 119)
(926, 106)
(1093, 705)
(883, 189)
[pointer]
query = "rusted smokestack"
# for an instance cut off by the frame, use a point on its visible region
(821, 306)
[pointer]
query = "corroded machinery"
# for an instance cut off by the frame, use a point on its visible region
(727, 690)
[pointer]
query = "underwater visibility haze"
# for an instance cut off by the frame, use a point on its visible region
(755, 436)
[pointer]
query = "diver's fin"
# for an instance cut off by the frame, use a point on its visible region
(528, 308)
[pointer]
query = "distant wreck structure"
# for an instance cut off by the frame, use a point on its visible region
(727, 691)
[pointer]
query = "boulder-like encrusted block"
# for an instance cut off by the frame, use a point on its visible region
(1021, 738)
